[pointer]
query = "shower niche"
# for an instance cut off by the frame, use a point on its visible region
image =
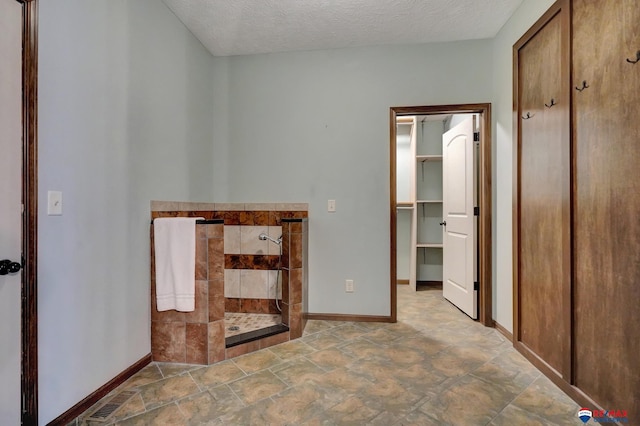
(251, 282)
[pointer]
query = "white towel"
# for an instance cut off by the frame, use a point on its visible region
(175, 252)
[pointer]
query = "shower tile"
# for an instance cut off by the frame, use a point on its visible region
(201, 232)
(216, 307)
(251, 306)
(273, 308)
(274, 232)
(231, 304)
(286, 250)
(285, 288)
(232, 283)
(295, 320)
(231, 239)
(295, 286)
(202, 264)
(246, 218)
(232, 218)
(295, 251)
(215, 231)
(254, 284)
(292, 206)
(201, 312)
(285, 313)
(168, 341)
(249, 241)
(274, 218)
(275, 287)
(196, 340)
(230, 206)
(274, 340)
(260, 206)
(233, 261)
(216, 256)
(242, 349)
(261, 218)
(216, 341)
(295, 227)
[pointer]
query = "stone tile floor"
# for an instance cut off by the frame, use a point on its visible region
(435, 366)
(248, 322)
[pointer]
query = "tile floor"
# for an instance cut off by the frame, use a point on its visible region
(434, 367)
(248, 322)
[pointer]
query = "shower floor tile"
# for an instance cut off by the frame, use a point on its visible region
(238, 323)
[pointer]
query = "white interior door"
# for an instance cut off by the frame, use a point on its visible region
(457, 208)
(10, 206)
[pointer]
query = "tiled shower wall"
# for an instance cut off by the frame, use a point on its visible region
(196, 337)
(250, 266)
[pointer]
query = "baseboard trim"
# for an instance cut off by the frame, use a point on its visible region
(552, 374)
(86, 403)
(506, 333)
(347, 317)
(430, 283)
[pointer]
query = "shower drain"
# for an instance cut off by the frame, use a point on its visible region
(233, 328)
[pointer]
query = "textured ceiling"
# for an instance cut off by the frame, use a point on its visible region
(243, 27)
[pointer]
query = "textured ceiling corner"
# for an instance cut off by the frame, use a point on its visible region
(244, 27)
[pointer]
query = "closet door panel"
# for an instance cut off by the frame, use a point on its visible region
(606, 125)
(543, 200)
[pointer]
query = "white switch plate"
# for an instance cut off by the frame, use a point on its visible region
(331, 206)
(348, 286)
(54, 203)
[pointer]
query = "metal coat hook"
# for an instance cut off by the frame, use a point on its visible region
(528, 116)
(584, 86)
(553, 102)
(637, 58)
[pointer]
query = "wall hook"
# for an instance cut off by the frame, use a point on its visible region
(528, 116)
(553, 102)
(584, 86)
(637, 58)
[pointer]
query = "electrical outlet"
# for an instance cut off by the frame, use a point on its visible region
(348, 286)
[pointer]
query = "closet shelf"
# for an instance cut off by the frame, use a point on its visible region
(429, 245)
(429, 201)
(423, 158)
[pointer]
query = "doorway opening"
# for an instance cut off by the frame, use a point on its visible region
(420, 200)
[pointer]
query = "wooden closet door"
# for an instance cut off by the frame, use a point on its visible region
(606, 122)
(543, 257)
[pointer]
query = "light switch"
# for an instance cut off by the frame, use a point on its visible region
(54, 203)
(331, 206)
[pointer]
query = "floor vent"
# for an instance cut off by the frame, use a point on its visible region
(106, 410)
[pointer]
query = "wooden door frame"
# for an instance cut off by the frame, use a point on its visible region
(485, 305)
(29, 350)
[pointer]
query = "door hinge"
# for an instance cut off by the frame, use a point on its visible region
(476, 285)
(476, 136)
(476, 211)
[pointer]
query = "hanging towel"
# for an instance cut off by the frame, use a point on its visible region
(175, 251)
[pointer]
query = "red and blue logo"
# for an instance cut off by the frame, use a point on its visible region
(603, 416)
(585, 414)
